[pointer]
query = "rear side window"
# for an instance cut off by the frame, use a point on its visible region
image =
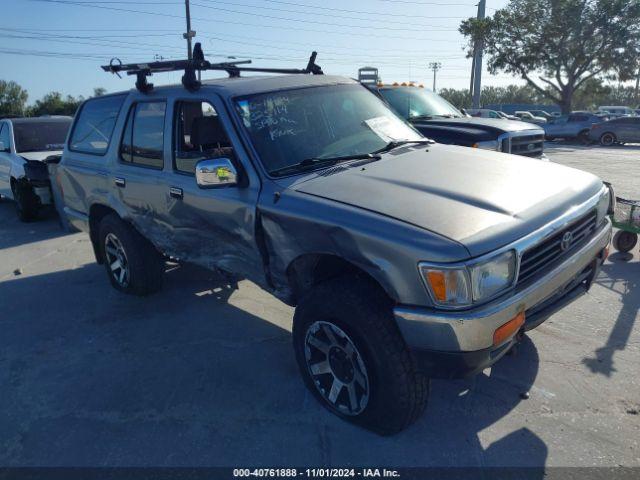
(143, 139)
(94, 126)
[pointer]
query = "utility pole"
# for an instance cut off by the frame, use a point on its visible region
(190, 33)
(477, 60)
(435, 66)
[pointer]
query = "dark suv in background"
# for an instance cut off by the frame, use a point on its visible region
(436, 118)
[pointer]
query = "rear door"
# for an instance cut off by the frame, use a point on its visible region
(625, 129)
(5, 160)
(213, 227)
(136, 180)
(633, 130)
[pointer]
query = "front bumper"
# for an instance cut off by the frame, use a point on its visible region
(458, 343)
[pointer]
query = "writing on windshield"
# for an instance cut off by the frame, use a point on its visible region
(287, 127)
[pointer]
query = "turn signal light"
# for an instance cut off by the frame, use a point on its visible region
(438, 285)
(507, 330)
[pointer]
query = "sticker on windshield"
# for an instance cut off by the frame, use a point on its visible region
(386, 128)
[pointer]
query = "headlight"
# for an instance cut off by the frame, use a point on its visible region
(488, 145)
(490, 277)
(462, 286)
(604, 205)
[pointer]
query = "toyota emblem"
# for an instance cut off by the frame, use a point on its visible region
(565, 243)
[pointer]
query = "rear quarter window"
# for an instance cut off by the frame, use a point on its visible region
(93, 128)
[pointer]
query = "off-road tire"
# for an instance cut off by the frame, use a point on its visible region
(26, 201)
(398, 392)
(607, 139)
(145, 264)
(624, 241)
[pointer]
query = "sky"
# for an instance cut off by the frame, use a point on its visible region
(59, 45)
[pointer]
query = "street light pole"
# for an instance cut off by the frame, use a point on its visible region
(435, 66)
(190, 33)
(477, 60)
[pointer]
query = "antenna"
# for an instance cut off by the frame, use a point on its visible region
(198, 63)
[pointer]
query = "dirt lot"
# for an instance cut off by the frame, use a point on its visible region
(203, 374)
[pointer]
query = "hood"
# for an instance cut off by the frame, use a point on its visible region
(39, 156)
(480, 199)
(497, 125)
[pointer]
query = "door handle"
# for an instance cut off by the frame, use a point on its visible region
(120, 182)
(176, 192)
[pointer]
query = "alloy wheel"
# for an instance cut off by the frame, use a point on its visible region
(337, 368)
(116, 259)
(607, 139)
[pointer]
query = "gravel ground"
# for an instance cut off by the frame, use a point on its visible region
(204, 374)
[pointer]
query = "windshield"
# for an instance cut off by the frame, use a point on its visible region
(414, 102)
(40, 136)
(290, 126)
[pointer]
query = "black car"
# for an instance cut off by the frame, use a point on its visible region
(436, 118)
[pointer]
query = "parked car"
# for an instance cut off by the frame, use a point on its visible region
(506, 116)
(616, 110)
(436, 118)
(616, 130)
(529, 117)
(25, 144)
(541, 113)
(577, 125)
(405, 259)
(483, 113)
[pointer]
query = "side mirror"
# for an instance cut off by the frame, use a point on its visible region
(216, 172)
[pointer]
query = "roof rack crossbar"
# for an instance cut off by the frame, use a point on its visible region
(144, 70)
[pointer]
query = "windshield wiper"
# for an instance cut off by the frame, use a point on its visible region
(435, 115)
(310, 163)
(398, 143)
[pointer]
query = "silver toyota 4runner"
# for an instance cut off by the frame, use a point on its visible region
(405, 259)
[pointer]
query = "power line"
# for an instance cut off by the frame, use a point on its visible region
(244, 24)
(331, 15)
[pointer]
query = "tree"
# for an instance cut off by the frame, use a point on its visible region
(99, 91)
(457, 98)
(565, 42)
(13, 98)
(54, 104)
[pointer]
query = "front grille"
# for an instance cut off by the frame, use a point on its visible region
(548, 252)
(527, 145)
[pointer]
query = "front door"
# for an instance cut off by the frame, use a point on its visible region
(213, 227)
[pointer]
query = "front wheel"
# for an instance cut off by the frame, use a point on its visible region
(624, 241)
(353, 358)
(26, 201)
(607, 139)
(132, 263)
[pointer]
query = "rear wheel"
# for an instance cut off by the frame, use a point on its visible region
(353, 358)
(26, 201)
(607, 139)
(583, 137)
(624, 241)
(132, 263)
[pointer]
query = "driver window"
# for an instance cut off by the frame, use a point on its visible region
(199, 135)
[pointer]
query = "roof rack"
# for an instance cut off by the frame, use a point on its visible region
(197, 63)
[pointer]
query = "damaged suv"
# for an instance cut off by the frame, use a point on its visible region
(405, 259)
